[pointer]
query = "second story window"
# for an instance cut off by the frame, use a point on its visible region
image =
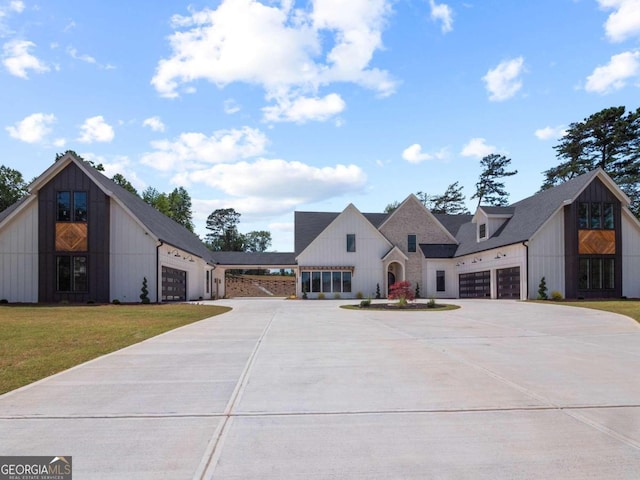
(71, 208)
(351, 242)
(483, 230)
(595, 216)
(411, 243)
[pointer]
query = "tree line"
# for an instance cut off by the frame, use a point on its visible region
(222, 223)
(608, 139)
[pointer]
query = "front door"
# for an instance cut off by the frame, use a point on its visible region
(391, 279)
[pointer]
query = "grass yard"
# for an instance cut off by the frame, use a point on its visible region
(38, 341)
(630, 308)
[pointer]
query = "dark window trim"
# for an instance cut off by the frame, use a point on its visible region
(482, 230)
(351, 242)
(586, 220)
(72, 214)
(72, 278)
(412, 243)
(441, 281)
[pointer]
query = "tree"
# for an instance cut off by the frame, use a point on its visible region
(97, 166)
(257, 241)
(12, 187)
(402, 292)
(124, 183)
(391, 207)
(450, 202)
(489, 189)
(609, 139)
(156, 199)
(224, 235)
(180, 207)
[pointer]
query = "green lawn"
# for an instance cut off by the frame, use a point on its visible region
(38, 341)
(630, 308)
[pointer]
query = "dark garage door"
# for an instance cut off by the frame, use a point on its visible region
(475, 285)
(509, 283)
(174, 284)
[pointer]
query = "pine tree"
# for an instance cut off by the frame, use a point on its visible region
(489, 190)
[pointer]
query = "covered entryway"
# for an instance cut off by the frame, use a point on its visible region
(174, 284)
(509, 282)
(475, 285)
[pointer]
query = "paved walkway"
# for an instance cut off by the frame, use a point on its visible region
(282, 389)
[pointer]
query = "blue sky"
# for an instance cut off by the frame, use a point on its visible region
(274, 106)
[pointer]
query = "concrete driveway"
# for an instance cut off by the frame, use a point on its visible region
(281, 389)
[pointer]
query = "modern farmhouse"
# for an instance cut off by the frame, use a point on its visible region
(79, 237)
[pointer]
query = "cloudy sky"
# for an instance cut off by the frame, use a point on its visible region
(274, 106)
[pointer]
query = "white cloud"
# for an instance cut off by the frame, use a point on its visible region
(443, 13)
(196, 150)
(477, 147)
(122, 165)
(73, 53)
(503, 81)
(274, 186)
(95, 129)
(17, 59)
(16, 6)
(624, 22)
(283, 49)
(549, 133)
(154, 123)
(60, 142)
(414, 154)
(32, 129)
(302, 109)
(615, 75)
(230, 106)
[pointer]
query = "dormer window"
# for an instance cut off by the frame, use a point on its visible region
(482, 230)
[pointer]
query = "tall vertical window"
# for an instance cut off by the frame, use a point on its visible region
(607, 216)
(583, 215)
(326, 281)
(64, 207)
(411, 243)
(351, 242)
(483, 230)
(71, 274)
(306, 282)
(440, 285)
(79, 206)
(315, 281)
(336, 281)
(346, 282)
(596, 273)
(208, 281)
(596, 216)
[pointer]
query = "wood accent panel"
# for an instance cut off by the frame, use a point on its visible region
(597, 242)
(71, 237)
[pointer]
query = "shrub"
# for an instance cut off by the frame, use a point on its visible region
(91, 302)
(4, 301)
(321, 296)
(144, 292)
(542, 289)
(115, 301)
(359, 295)
(365, 303)
(402, 292)
(378, 291)
(556, 296)
(337, 296)
(431, 303)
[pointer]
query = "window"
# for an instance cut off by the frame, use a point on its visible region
(440, 285)
(306, 282)
(411, 243)
(326, 281)
(67, 213)
(79, 206)
(595, 216)
(483, 230)
(64, 207)
(72, 274)
(207, 280)
(351, 242)
(596, 273)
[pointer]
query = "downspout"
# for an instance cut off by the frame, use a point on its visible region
(158, 279)
(526, 245)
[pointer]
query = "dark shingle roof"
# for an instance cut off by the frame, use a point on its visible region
(255, 258)
(490, 210)
(452, 222)
(161, 226)
(438, 250)
(528, 216)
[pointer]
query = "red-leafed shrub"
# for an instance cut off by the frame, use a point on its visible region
(402, 292)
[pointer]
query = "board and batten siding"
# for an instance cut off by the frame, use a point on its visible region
(546, 256)
(330, 249)
(630, 256)
(429, 285)
(19, 257)
(195, 267)
(133, 257)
